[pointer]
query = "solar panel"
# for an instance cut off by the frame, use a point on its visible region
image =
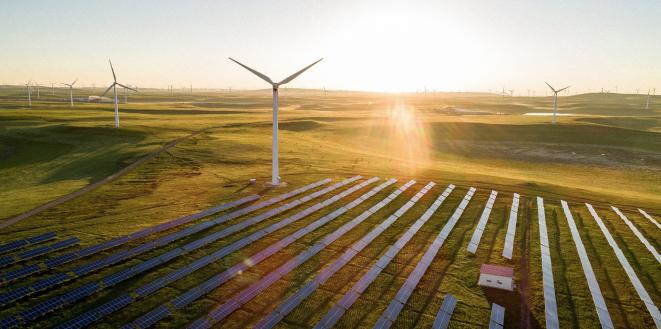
(13, 245)
(87, 268)
(189, 268)
(593, 285)
(547, 274)
(639, 235)
(414, 277)
(186, 298)
(152, 317)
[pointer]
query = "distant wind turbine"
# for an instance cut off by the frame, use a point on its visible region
(647, 104)
(275, 179)
(27, 84)
(70, 85)
(555, 100)
(113, 86)
(37, 85)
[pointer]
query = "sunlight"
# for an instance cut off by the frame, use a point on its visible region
(401, 134)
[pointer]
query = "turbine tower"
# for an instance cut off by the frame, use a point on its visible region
(70, 85)
(647, 104)
(113, 86)
(275, 178)
(555, 100)
(27, 84)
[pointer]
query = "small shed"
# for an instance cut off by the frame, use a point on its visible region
(496, 276)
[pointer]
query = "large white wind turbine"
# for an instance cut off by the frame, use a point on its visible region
(275, 179)
(70, 85)
(555, 100)
(113, 86)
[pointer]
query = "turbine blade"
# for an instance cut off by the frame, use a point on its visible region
(129, 88)
(563, 88)
(107, 90)
(114, 77)
(550, 86)
(264, 77)
(74, 82)
(293, 76)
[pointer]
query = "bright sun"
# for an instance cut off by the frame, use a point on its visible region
(403, 48)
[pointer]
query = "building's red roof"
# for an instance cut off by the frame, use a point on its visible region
(497, 270)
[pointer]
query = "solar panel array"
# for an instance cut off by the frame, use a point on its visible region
(497, 320)
(640, 236)
(39, 251)
(550, 305)
(221, 312)
(481, 224)
(110, 280)
(397, 304)
(364, 282)
(511, 228)
(444, 314)
(304, 292)
(638, 286)
(649, 217)
(91, 250)
(17, 244)
(125, 299)
(593, 285)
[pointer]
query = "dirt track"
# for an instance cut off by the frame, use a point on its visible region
(90, 187)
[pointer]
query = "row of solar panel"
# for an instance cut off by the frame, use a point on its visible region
(112, 279)
(497, 320)
(247, 294)
(482, 223)
(550, 305)
(91, 250)
(152, 317)
(511, 228)
(649, 217)
(639, 235)
(17, 244)
(290, 303)
(39, 251)
(336, 312)
(397, 303)
(593, 285)
(444, 314)
(633, 278)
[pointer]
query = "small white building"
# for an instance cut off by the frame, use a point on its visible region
(496, 276)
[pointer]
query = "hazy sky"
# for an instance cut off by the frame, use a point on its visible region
(367, 45)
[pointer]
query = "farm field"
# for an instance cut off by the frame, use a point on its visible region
(475, 140)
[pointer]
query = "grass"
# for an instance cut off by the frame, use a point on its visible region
(611, 154)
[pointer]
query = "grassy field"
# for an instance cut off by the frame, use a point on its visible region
(607, 153)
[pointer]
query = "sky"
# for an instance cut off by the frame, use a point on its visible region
(378, 45)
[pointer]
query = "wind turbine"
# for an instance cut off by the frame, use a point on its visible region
(70, 85)
(555, 100)
(647, 104)
(113, 86)
(27, 84)
(275, 178)
(126, 99)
